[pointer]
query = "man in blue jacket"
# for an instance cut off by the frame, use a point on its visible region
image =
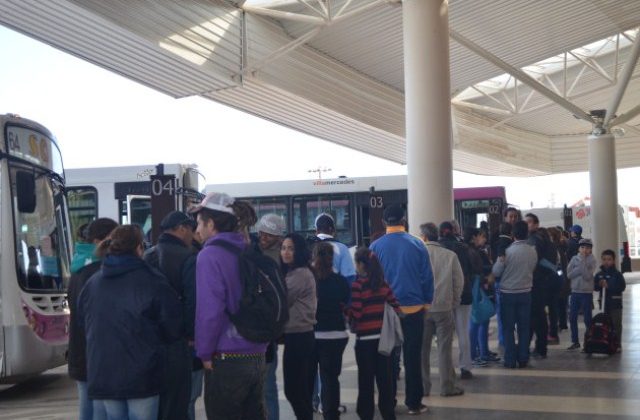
(407, 269)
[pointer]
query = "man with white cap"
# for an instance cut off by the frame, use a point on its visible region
(271, 229)
(234, 366)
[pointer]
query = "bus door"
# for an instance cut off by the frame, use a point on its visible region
(472, 213)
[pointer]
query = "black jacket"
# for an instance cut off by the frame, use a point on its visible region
(615, 287)
(333, 296)
(462, 251)
(77, 342)
(178, 263)
(545, 250)
(129, 312)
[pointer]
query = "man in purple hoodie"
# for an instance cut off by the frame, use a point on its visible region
(234, 366)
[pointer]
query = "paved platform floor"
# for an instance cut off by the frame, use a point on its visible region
(567, 385)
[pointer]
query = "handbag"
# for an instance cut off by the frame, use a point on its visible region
(391, 334)
(482, 309)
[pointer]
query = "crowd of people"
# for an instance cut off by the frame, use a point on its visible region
(150, 327)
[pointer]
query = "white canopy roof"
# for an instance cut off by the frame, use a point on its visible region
(334, 68)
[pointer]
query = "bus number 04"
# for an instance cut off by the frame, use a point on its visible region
(157, 188)
(376, 202)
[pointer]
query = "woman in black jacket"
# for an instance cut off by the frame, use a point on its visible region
(98, 231)
(129, 313)
(330, 330)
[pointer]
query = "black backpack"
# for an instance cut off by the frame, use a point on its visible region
(263, 310)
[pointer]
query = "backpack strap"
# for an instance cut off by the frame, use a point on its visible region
(226, 245)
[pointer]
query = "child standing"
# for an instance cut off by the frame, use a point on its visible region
(611, 279)
(580, 271)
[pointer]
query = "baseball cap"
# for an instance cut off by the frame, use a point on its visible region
(393, 214)
(175, 219)
(272, 224)
(324, 221)
(585, 242)
(577, 229)
(215, 201)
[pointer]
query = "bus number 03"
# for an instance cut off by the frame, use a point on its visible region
(157, 188)
(376, 202)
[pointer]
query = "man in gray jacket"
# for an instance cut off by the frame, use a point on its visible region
(448, 281)
(516, 272)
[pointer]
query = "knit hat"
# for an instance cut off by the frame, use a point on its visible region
(577, 229)
(272, 224)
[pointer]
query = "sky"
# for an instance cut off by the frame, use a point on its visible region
(103, 119)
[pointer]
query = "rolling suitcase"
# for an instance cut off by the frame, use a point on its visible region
(601, 336)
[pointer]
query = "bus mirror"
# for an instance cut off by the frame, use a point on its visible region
(26, 188)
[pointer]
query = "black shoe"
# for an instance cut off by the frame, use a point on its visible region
(574, 346)
(523, 365)
(493, 353)
(538, 356)
(492, 357)
(466, 374)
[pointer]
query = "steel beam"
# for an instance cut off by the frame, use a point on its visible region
(623, 81)
(521, 75)
(627, 116)
(285, 49)
(278, 14)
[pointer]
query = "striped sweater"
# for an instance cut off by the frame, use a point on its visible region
(367, 307)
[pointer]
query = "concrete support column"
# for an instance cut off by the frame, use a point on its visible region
(427, 111)
(604, 194)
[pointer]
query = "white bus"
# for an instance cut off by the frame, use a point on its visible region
(357, 203)
(124, 193)
(35, 250)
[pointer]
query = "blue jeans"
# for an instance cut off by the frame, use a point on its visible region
(479, 339)
(515, 309)
(271, 388)
(133, 409)
(196, 391)
(86, 408)
(584, 301)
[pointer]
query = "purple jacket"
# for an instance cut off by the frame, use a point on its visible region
(218, 288)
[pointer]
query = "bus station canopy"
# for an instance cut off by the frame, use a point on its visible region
(522, 71)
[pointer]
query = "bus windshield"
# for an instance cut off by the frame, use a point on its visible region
(42, 241)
